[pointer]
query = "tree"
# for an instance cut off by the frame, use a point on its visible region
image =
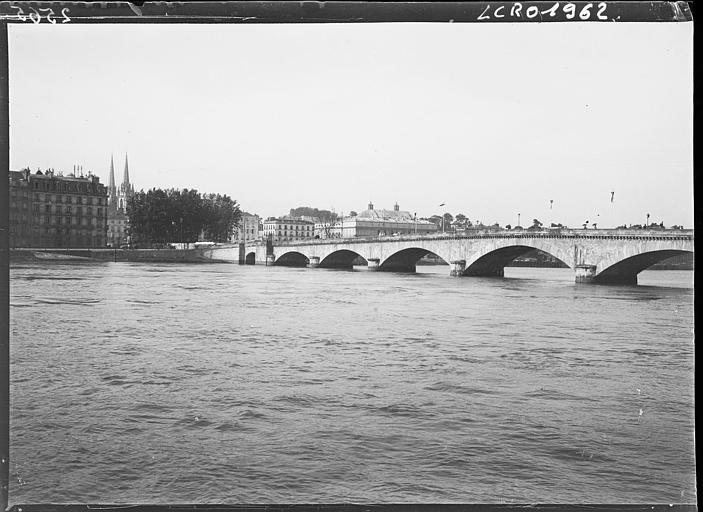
(462, 221)
(160, 216)
(307, 211)
(437, 220)
(220, 215)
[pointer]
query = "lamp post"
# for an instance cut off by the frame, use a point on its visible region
(442, 217)
(182, 246)
(647, 223)
(518, 219)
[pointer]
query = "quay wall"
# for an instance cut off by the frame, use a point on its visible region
(197, 255)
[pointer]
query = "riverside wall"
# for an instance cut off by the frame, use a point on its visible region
(196, 255)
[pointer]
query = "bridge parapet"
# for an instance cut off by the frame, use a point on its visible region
(590, 234)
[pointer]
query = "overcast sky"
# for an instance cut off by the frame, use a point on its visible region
(491, 119)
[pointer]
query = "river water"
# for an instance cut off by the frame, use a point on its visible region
(216, 383)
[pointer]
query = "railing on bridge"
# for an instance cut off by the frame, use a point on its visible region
(617, 234)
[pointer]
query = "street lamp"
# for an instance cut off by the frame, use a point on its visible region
(647, 223)
(518, 219)
(442, 217)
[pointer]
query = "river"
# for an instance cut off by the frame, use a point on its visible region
(217, 383)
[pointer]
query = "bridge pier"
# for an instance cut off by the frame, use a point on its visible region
(373, 263)
(314, 261)
(270, 258)
(585, 273)
(458, 268)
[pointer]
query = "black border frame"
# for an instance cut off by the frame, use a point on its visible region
(272, 12)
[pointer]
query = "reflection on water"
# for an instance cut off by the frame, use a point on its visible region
(226, 383)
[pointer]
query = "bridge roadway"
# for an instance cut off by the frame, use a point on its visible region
(598, 256)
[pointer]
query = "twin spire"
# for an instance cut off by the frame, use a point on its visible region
(125, 176)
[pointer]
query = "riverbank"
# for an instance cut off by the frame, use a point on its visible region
(132, 255)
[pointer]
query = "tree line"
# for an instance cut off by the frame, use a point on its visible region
(161, 216)
(307, 211)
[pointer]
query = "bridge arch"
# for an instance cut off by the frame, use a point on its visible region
(405, 260)
(292, 259)
(342, 258)
(494, 261)
(250, 258)
(625, 271)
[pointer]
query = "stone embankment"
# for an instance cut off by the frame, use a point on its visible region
(196, 255)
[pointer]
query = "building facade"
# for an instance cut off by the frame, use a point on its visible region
(373, 223)
(50, 210)
(249, 228)
(117, 219)
(287, 229)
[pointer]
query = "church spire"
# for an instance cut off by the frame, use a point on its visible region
(112, 174)
(125, 179)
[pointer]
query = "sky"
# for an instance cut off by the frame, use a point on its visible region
(491, 120)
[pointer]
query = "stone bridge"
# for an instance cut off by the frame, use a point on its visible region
(599, 256)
